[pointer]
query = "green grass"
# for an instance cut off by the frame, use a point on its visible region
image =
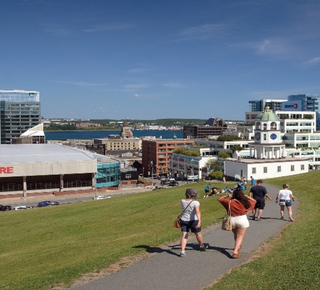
(291, 260)
(48, 246)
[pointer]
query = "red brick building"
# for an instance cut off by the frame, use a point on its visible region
(155, 154)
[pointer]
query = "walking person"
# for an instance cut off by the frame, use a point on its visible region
(191, 220)
(259, 193)
(285, 198)
(240, 204)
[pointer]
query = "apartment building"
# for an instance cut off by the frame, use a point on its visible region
(156, 153)
(212, 127)
(119, 144)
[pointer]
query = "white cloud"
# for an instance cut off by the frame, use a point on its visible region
(173, 85)
(137, 70)
(277, 47)
(311, 62)
(136, 86)
(57, 30)
(81, 84)
(201, 32)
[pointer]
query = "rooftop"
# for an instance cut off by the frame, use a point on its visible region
(38, 153)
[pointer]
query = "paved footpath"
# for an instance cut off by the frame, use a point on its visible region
(166, 270)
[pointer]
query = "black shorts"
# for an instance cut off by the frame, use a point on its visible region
(260, 204)
(191, 225)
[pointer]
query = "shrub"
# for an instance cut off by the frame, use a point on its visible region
(216, 175)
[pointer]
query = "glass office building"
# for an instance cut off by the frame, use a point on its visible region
(260, 105)
(19, 111)
(303, 102)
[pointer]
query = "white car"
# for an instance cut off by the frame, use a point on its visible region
(20, 207)
(101, 197)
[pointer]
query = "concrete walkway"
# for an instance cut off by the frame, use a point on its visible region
(166, 270)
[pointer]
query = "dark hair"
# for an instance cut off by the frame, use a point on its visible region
(191, 193)
(239, 195)
(259, 181)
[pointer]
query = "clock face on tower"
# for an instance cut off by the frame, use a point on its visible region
(273, 136)
(257, 136)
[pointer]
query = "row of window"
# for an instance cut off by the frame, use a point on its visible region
(279, 169)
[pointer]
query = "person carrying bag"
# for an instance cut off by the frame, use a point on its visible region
(227, 222)
(190, 220)
(237, 208)
(176, 223)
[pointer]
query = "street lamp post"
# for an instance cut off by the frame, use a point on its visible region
(151, 165)
(95, 186)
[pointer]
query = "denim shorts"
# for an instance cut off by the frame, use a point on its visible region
(240, 221)
(186, 226)
(288, 202)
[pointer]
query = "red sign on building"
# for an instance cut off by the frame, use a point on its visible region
(6, 170)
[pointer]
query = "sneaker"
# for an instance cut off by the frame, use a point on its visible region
(182, 254)
(282, 218)
(291, 219)
(204, 246)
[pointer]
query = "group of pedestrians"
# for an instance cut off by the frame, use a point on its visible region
(237, 204)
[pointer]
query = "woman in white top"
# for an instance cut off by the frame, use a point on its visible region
(284, 197)
(191, 220)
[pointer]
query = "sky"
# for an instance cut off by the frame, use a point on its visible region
(143, 59)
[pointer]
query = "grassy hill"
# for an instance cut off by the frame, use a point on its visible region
(56, 245)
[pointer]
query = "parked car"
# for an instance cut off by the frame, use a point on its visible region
(101, 197)
(167, 181)
(5, 207)
(173, 183)
(47, 203)
(20, 207)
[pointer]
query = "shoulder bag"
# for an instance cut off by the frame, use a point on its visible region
(176, 223)
(227, 223)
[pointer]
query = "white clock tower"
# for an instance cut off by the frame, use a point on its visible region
(268, 143)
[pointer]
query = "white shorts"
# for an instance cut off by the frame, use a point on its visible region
(240, 221)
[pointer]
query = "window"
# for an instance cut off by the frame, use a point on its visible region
(254, 170)
(302, 167)
(128, 176)
(292, 167)
(279, 169)
(265, 169)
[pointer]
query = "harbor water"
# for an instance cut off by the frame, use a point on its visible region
(87, 135)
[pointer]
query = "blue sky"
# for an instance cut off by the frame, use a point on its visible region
(143, 59)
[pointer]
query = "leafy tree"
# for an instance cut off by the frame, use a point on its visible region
(236, 148)
(224, 154)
